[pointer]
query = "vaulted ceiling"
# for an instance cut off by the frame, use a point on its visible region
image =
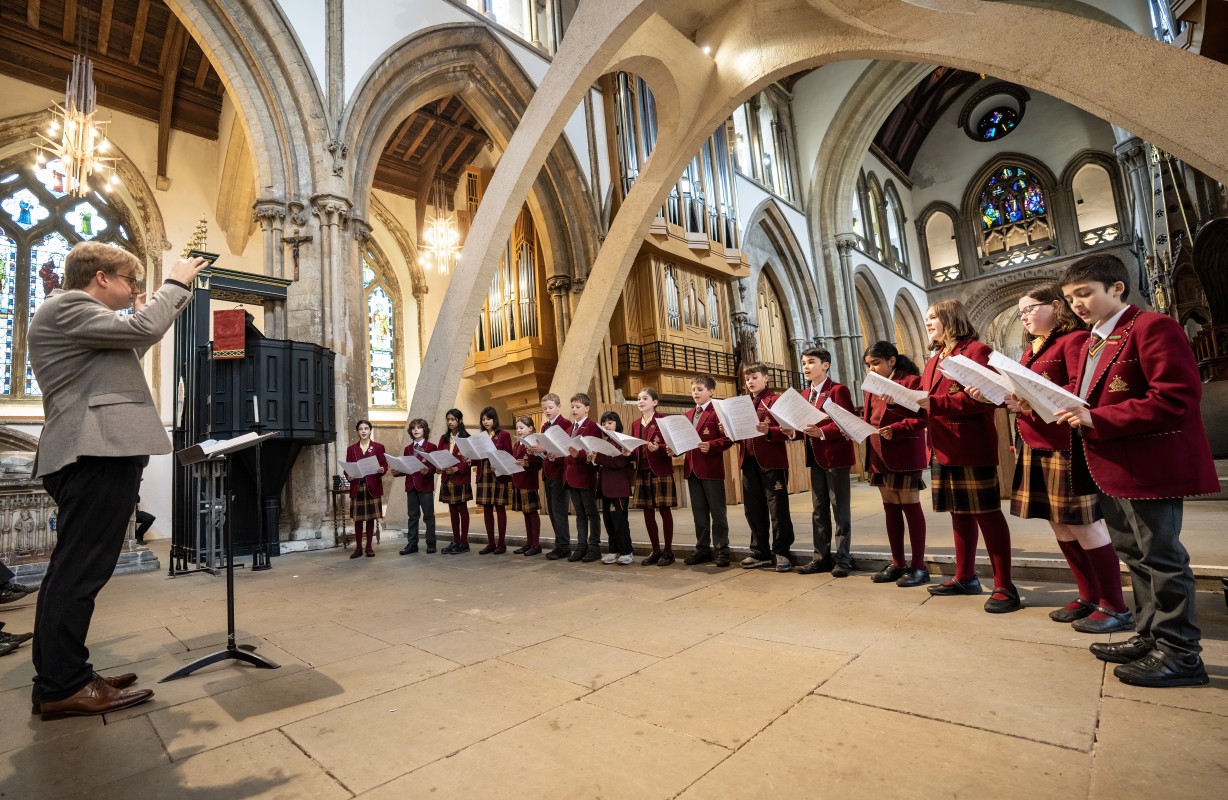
(904, 131)
(442, 137)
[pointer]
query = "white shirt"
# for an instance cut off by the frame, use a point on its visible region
(1105, 328)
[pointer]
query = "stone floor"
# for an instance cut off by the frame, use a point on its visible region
(479, 676)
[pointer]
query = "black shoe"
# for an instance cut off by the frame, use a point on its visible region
(556, 554)
(450, 549)
(651, 560)
(14, 592)
(6, 648)
(722, 561)
(840, 571)
(15, 639)
(533, 551)
(575, 556)
(1131, 649)
(487, 550)
(954, 587)
(914, 577)
(888, 574)
(407, 549)
(590, 555)
(520, 550)
(666, 559)
(356, 554)
(1159, 670)
(1065, 614)
(1113, 623)
(430, 548)
(1010, 601)
(816, 565)
(456, 548)
(698, 557)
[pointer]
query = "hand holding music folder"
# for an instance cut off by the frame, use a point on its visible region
(406, 465)
(360, 468)
(216, 448)
(679, 434)
(852, 425)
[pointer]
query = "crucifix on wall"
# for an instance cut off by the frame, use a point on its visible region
(295, 243)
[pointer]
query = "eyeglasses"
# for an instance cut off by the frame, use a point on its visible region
(1026, 311)
(133, 283)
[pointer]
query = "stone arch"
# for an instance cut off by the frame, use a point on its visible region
(908, 321)
(1108, 163)
(923, 239)
(893, 210)
(995, 295)
(969, 207)
(467, 60)
(768, 275)
(769, 239)
(409, 252)
(871, 301)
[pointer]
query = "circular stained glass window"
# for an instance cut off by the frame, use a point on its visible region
(997, 123)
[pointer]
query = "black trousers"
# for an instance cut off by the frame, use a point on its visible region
(6, 575)
(95, 498)
(1147, 537)
(420, 505)
(556, 506)
(766, 501)
(617, 526)
(828, 488)
(588, 524)
(144, 521)
(711, 518)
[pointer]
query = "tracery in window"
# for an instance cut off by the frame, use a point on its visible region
(382, 340)
(1015, 223)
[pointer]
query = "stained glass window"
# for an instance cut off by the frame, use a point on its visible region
(38, 227)
(1014, 218)
(381, 330)
(997, 123)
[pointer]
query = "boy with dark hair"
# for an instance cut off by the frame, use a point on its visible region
(764, 461)
(581, 479)
(1141, 439)
(704, 470)
(552, 477)
(829, 455)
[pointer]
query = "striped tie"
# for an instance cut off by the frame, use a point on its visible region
(1097, 345)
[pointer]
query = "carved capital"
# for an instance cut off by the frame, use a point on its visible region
(298, 212)
(330, 209)
(742, 323)
(846, 243)
(268, 212)
(361, 230)
(558, 284)
(1132, 153)
(339, 150)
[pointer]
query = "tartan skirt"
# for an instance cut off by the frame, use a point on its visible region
(1044, 489)
(654, 491)
(527, 501)
(965, 490)
(490, 491)
(455, 493)
(898, 481)
(363, 506)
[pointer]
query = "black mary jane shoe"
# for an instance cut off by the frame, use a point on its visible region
(954, 587)
(666, 559)
(1069, 615)
(520, 550)
(356, 554)
(652, 560)
(1112, 623)
(1010, 601)
(888, 574)
(533, 551)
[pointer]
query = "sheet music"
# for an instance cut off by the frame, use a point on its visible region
(852, 425)
(211, 446)
(969, 373)
(679, 433)
(406, 465)
(559, 441)
(596, 444)
(794, 412)
(629, 442)
(738, 417)
(892, 390)
(441, 459)
(361, 468)
(1044, 396)
(504, 464)
(476, 448)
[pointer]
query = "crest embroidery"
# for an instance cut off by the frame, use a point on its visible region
(1118, 385)
(707, 431)
(955, 389)
(1045, 375)
(778, 487)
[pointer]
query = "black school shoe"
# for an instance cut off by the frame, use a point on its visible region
(722, 561)
(1009, 602)
(913, 577)
(666, 559)
(576, 555)
(411, 548)
(1113, 623)
(697, 558)
(556, 554)
(1131, 649)
(1159, 670)
(590, 555)
(954, 587)
(888, 574)
(1065, 614)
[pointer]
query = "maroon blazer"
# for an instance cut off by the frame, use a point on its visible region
(421, 481)
(709, 466)
(375, 483)
(464, 470)
(527, 479)
(835, 450)
(1147, 440)
(659, 462)
(614, 475)
(1060, 360)
(503, 441)
(769, 450)
(961, 430)
(905, 450)
(579, 474)
(554, 470)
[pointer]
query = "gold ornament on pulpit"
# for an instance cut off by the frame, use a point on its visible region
(199, 238)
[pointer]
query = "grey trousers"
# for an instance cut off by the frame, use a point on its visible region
(830, 487)
(1147, 537)
(556, 507)
(711, 518)
(419, 506)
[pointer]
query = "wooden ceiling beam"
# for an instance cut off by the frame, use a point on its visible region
(104, 26)
(32, 14)
(418, 139)
(460, 149)
(202, 71)
(138, 32)
(174, 47)
(454, 125)
(400, 134)
(69, 30)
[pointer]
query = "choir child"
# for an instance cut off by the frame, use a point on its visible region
(830, 456)
(764, 461)
(1143, 442)
(895, 457)
(614, 476)
(654, 479)
(494, 491)
(456, 485)
(419, 489)
(525, 497)
(704, 470)
(366, 503)
(581, 479)
(553, 476)
(964, 473)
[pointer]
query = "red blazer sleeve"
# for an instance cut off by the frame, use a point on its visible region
(960, 403)
(611, 462)
(774, 434)
(843, 398)
(915, 423)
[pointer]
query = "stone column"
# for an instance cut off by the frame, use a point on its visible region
(271, 215)
(847, 344)
(559, 287)
(745, 340)
(1132, 156)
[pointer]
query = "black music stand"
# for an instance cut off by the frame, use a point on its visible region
(212, 462)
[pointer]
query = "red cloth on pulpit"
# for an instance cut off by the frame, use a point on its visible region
(228, 333)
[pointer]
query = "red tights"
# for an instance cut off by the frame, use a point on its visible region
(667, 522)
(489, 513)
(358, 532)
(459, 512)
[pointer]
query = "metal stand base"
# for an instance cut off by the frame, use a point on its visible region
(241, 653)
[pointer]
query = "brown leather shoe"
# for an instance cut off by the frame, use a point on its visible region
(114, 681)
(96, 697)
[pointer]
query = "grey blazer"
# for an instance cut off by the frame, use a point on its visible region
(86, 359)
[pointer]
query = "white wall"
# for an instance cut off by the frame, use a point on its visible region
(816, 99)
(308, 20)
(751, 195)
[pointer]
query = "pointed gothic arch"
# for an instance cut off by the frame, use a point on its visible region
(769, 239)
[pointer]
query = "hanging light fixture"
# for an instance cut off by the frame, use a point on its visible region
(76, 141)
(440, 235)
